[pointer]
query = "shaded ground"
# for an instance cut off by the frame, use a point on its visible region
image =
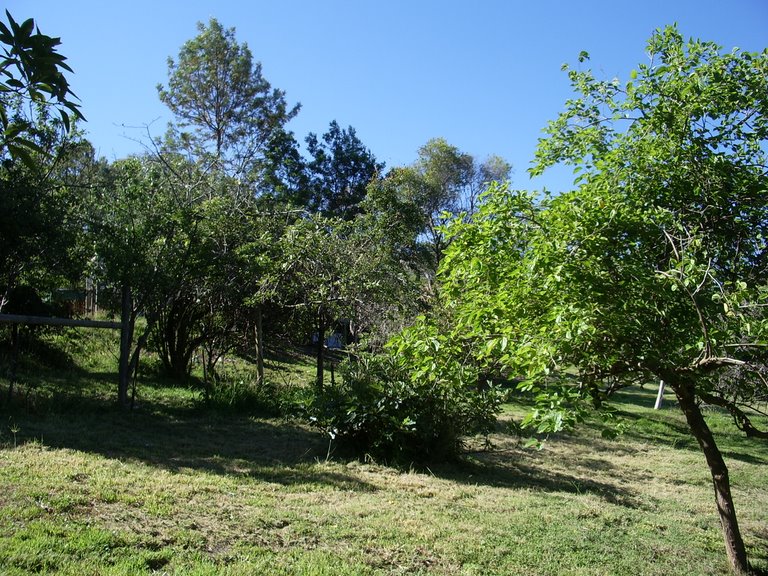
(176, 488)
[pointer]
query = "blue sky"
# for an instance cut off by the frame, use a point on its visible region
(485, 75)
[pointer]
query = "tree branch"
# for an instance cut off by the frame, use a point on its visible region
(715, 362)
(740, 418)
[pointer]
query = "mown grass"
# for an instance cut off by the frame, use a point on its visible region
(176, 488)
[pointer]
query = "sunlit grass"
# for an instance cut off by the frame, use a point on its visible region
(174, 488)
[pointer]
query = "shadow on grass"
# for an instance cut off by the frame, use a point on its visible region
(184, 436)
(178, 440)
(508, 470)
(743, 457)
(279, 357)
(662, 429)
(761, 555)
(276, 451)
(667, 427)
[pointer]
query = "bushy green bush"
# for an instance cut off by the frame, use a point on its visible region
(410, 404)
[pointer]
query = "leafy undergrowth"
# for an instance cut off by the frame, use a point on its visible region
(73, 369)
(99, 491)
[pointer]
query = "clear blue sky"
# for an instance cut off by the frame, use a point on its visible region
(483, 74)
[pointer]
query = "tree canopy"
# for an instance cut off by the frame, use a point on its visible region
(654, 266)
(228, 115)
(340, 169)
(45, 161)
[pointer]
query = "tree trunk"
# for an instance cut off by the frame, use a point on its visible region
(179, 335)
(14, 360)
(320, 348)
(734, 544)
(206, 383)
(126, 341)
(259, 348)
(133, 365)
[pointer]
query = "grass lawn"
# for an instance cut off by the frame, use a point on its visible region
(173, 488)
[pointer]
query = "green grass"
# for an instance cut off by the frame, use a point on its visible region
(174, 488)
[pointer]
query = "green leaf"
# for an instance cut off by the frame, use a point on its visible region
(26, 29)
(533, 443)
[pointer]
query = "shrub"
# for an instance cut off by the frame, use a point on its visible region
(387, 407)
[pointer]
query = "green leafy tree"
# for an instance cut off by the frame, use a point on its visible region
(218, 305)
(334, 271)
(417, 398)
(172, 241)
(228, 115)
(201, 277)
(31, 72)
(249, 281)
(42, 240)
(654, 267)
(140, 222)
(493, 169)
(40, 229)
(439, 176)
(423, 197)
(340, 170)
(393, 299)
(230, 128)
(318, 275)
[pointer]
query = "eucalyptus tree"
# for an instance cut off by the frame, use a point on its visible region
(439, 176)
(493, 169)
(653, 267)
(442, 183)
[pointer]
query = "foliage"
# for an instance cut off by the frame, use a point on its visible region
(140, 221)
(229, 153)
(340, 169)
(443, 183)
(234, 251)
(31, 71)
(668, 225)
(45, 163)
(246, 396)
(414, 403)
(42, 238)
(339, 272)
(133, 221)
(38, 231)
(655, 266)
(228, 116)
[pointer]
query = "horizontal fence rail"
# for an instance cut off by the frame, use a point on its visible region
(52, 321)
